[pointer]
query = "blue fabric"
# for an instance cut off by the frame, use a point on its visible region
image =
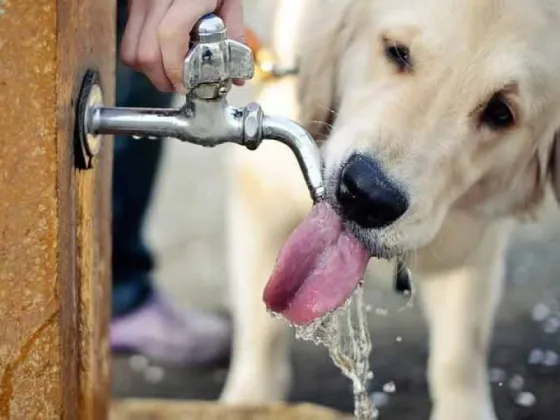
(136, 163)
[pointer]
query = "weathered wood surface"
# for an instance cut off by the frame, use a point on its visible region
(176, 410)
(54, 220)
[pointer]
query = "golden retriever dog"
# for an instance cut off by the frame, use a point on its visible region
(438, 122)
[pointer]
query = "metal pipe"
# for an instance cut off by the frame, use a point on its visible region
(217, 123)
(202, 122)
(303, 146)
(137, 122)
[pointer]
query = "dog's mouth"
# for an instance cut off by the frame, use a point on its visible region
(318, 269)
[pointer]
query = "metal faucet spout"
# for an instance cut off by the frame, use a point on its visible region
(303, 146)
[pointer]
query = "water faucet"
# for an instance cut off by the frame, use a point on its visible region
(206, 119)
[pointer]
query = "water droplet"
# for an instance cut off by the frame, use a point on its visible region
(526, 399)
(516, 383)
(551, 325)
(381, 312)
(369, 308)
(536, 357)
(389, 387)
(540, 312)
(550, 358)
(398, 339)
(379, 399)
(369, 376)
(497, 375)
(154, 374)
(135, 137)
(138, 363)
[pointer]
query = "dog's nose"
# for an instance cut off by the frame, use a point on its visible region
(367, 196)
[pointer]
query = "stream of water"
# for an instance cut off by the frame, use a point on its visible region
(345, 334)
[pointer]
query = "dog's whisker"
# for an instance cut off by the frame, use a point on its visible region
(323, 123)
(330, 110)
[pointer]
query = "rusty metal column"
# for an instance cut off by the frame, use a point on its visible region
(54, 218)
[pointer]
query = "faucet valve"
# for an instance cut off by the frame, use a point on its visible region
(214, 60)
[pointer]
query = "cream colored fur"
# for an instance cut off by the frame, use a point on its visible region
(467, 185)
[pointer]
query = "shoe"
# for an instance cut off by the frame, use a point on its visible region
(166, 335)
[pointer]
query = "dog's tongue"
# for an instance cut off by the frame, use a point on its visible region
(317, 270)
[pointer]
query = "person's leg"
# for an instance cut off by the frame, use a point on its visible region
(134, 171)
(143, 321)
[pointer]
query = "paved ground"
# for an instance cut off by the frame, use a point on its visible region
(186, 229)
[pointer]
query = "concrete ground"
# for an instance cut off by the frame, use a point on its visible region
(186, 230)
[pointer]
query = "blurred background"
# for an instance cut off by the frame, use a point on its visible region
(185, 229)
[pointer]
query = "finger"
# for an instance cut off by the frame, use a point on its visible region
(174, 35)
(148, 56)
(231, 12)
(137, 11)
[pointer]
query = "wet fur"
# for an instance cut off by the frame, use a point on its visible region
(468, 186)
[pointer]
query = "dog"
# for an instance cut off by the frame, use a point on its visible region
(438, 122)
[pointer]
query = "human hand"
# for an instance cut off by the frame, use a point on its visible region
(157, 35)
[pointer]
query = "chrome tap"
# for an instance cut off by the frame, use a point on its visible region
(206, 119)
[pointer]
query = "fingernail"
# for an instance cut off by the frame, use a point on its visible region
(180, 88)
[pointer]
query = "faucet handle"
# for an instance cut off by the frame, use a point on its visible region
(242, 65)
(213, 58)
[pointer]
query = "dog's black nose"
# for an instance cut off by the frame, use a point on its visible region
(367, 196)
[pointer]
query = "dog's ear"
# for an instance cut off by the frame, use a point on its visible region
(555, 166)
(321, 43)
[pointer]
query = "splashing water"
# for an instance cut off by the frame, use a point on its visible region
(390, 387)
(526, 399)
(516, 383)
(345, 334)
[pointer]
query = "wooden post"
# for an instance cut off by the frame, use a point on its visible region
(54, 219)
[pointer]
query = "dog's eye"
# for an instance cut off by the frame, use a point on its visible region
(399, 55)
(497, 115)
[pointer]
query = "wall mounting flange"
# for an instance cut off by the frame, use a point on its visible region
(87, 145)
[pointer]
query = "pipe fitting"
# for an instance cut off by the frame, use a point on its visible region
(253, 126)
